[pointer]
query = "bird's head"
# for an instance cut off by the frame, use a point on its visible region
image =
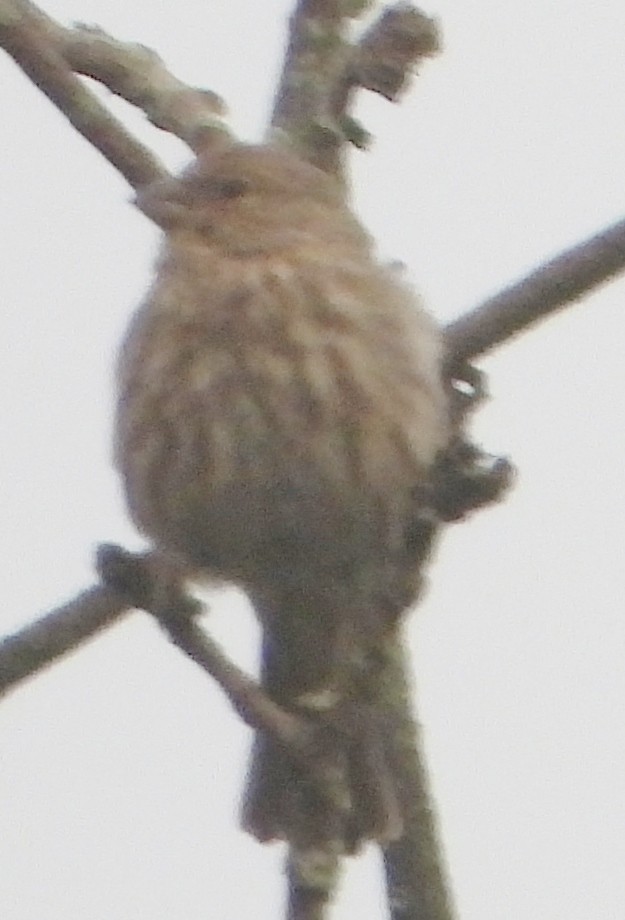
(247, 199)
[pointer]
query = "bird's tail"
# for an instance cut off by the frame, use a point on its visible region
(353, 798)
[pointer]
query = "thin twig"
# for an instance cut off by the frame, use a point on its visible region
(48, 53)
(383, 61)
(148, 582)
(556, 284)
(322, 70)
(316, 55)
(255, 708)
(387, 55)
(138, 75)
(132, 581)
(58, 632)
(416, 881)
(27, 43)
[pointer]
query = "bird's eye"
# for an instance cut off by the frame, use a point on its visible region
(231, 188)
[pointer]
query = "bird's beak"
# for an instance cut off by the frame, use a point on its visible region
(164, 201)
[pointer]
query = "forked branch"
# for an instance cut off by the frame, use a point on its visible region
(52, 55)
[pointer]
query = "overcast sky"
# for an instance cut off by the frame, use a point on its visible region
(120, 768)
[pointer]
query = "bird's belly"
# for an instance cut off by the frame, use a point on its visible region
(281, 431)
(249, 500)
(258, 517)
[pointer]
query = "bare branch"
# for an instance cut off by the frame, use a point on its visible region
(417, 886)
(22, 37)
(554, 285)
(322, 70)
(149, 582)
(139, 76)
(315, 60)
(129, 583)
(57, 633)
(383, 61)
(48, 53)
(388, 52)
(245, 695)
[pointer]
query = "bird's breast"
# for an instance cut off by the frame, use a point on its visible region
(273, 398)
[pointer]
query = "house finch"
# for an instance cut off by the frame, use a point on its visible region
(280, 405)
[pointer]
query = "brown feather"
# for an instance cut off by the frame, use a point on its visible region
(280, 399)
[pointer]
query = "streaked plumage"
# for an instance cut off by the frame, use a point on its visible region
(280, 403)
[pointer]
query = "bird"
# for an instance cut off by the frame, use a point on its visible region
(280, 405)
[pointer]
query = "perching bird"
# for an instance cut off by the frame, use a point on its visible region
(280, 404)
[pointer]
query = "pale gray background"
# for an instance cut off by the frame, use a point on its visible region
(120, 768)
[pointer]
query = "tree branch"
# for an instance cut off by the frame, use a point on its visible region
(23, 38)
(150, 583)
(389, 51)
(48, 53)
(143, 582)
(556, 284)
(416, 881)
(315, 60)
(139, 76)
(297, 736)
(383, 61)
(60, 631)
(322, 70)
